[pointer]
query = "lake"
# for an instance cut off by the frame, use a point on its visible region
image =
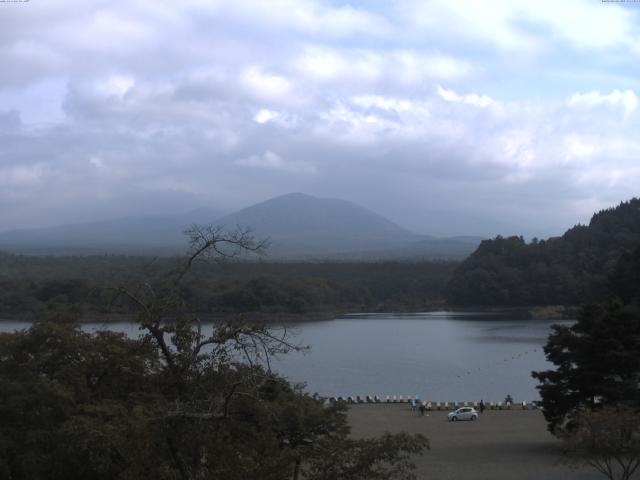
(442, 356)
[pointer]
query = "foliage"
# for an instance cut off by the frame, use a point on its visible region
(175, 403)
(36, 286)
(597, 361)
(567, 270)
(598, 358)
(608, 440)
(387, 457)
(625, 279)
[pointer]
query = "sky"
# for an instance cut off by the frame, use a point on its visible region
(448, 117)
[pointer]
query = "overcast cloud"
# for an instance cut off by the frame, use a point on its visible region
(449, 117)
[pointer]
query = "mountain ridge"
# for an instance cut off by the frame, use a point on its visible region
(299, 226)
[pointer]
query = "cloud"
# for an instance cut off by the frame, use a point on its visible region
(529, 27)
(279, 118)
(35, 59)
(470, 98)
(627, 100)
(310, 17)
(588, 25)
(400, 66)
(22, 175)
(382, 103)
(412, 66)
(324, 63)
(107, 30)
(116, 86)
(265, 115)
(270, 160)
(265, 85)
(578, 147)
(10, 120)
(523, 106)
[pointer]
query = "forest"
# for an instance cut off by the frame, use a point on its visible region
(31, 286)
(567, 270)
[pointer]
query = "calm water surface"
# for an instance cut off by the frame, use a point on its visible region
(437, 355)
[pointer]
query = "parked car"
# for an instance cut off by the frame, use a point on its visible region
(464, 413)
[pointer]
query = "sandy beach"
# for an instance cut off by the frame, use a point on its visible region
(500, 445)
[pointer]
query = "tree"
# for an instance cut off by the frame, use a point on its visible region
(598, 358)
(624, 282)
(176, 403)
(597, 363)
(608, 440)
(592, 398)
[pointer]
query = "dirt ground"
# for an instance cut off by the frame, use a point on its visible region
(500, 445)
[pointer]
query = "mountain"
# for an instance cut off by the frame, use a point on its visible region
(298, 226)
(297, 215)
(145, 234)
(302, 226)
(302, 223)
(570, 270)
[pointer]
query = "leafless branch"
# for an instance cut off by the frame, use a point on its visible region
(208, 240)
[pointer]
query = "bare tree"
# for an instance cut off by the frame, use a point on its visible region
(164, 314)
(188, 353)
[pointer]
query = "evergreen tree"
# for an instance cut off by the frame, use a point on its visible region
(598, 358)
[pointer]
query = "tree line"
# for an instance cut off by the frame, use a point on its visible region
(30, 286)
(567, 270)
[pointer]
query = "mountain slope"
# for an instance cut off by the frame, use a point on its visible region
(299, 227)
(304, 223)
(570, 270)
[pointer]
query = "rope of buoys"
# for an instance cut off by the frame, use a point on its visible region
(461, 376)
(491, 366)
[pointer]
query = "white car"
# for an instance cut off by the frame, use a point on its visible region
(464, 413)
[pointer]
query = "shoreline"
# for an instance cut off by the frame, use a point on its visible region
(547, 312)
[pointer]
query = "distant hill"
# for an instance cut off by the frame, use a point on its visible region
(161, 234)
(297, 216)
(301, 224)
(299, 227)
(569, 270)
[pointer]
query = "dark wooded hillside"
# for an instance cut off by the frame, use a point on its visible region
(569, 270)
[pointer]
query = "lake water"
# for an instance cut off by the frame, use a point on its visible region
(442, 356)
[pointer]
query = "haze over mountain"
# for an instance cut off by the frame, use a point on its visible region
(145, 234)
(298, 226)
(297, 215)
